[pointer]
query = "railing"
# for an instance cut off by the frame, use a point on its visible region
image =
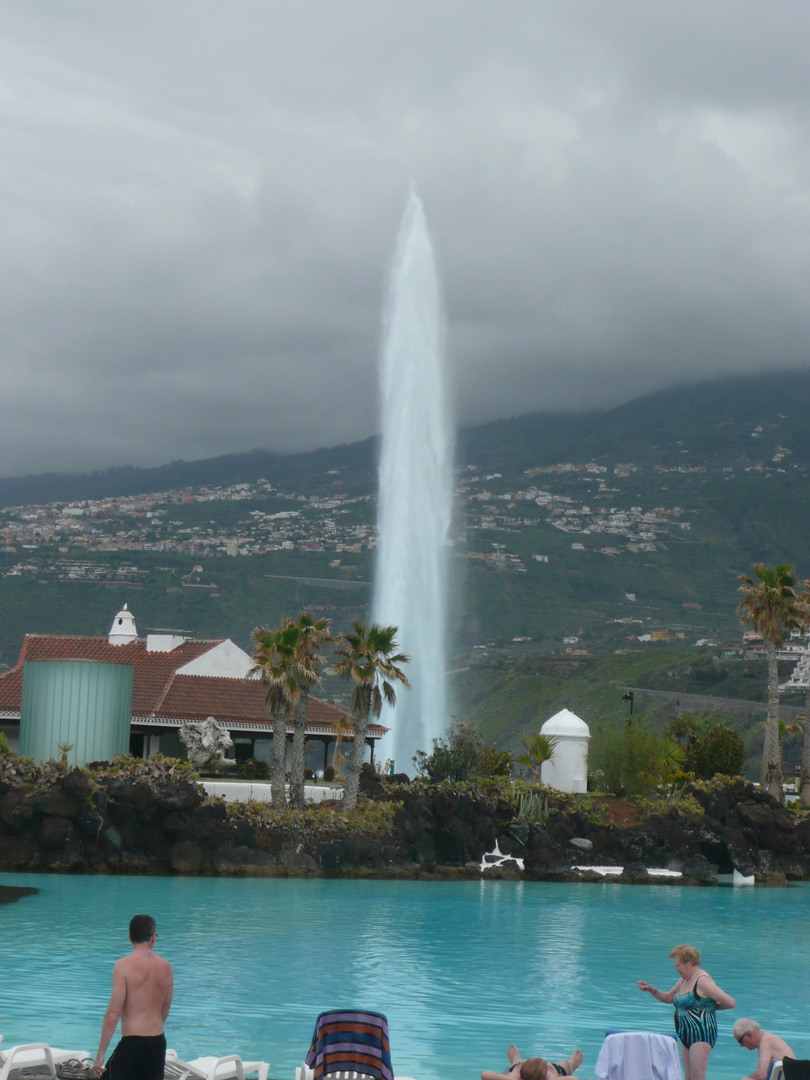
(260, 791)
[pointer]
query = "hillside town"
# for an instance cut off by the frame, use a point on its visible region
(159, 522)
(503, 523)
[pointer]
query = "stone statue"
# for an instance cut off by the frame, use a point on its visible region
(207, 745)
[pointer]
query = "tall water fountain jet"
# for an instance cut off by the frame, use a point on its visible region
(416, 490)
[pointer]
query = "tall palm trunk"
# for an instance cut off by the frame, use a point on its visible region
(279, 767)
(297, 754)
(771, 756)
(804, 783)
(356, 755)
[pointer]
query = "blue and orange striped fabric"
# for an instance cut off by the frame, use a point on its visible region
(351, 1041)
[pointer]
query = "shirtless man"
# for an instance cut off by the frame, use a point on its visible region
(771, 1047)
(534, 1068)
(141, 998)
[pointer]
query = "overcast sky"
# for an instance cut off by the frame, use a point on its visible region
(199, 203)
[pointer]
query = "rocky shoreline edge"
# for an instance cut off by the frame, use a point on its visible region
(154, 818)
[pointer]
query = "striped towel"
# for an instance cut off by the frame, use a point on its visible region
(351, 1041)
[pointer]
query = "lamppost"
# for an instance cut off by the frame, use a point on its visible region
(629, 696)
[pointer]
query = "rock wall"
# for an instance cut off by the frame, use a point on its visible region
(741, 828)
(157, 820)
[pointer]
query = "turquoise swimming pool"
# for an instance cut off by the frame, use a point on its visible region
(460, 968)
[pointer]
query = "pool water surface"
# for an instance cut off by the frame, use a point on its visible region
(461, 969)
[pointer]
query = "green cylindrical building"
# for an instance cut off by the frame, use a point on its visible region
(78, 702)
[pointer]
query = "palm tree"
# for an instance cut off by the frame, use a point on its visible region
(770, 605)
(804, 779)
(276, 661)
(368, 658)
(341, 727)
(539, 748)
(313, 634)
(786, 729)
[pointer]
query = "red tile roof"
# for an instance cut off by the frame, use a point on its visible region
(158, 692)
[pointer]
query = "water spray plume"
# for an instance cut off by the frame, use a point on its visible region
(416, 489)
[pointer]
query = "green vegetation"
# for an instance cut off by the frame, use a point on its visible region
(532, 806)
(509, 700)
(462, 756)
(539, 749)
(711, 748)
(375, 819)
(633, 761)
(255, 769)
(772, 607)
(277, 661)
(368, 658)
(314, 633)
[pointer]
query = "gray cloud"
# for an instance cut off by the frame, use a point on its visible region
(199, 204)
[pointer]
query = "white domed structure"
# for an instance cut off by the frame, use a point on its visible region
(568, 769)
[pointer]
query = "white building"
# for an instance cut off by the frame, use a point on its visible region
(568, 769)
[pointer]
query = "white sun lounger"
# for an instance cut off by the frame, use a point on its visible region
(303, 1072)
(229, 1067)
(35, 1056)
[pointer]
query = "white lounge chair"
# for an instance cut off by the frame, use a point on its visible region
(303, 1072)
(777, 1071)
(35, 1056)
(229, 1067)
(638, 1055)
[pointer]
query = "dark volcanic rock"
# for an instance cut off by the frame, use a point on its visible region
(298, 860)
(156, 821)
(16, 811)
(697, 867)
(55, 832)
(188, 857)
(635, 870)
(369, 782)
(10, 894)
(16, 852)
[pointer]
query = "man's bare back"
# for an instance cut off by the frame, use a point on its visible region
(768, 1046)
(147, 980)
(141, 998)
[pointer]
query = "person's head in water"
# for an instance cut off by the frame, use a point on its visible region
(533, 1069)
(141, 929)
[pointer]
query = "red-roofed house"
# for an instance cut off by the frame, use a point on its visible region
(176, 680)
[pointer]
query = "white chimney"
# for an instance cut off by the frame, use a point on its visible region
(123, 629)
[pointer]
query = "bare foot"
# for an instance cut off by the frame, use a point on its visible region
(512, 1054)
(576, 1059)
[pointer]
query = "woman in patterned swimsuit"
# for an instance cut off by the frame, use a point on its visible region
(696, 997)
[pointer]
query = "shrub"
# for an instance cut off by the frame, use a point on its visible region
(462, 756)
(720, 751)
(329, 773)
(633, 760)
(711, 748)
(493, 763)
(255, 769)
